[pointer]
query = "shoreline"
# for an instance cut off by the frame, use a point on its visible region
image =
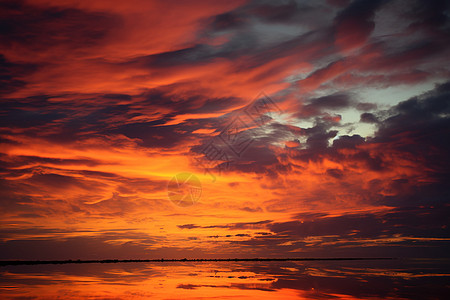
(108, 261)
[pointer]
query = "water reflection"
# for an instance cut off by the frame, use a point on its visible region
(397, 279)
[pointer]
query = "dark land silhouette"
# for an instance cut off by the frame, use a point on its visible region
(108, 261)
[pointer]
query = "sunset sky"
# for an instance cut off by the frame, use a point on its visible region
(104, 102)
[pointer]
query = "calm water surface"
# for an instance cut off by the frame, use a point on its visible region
(390, 279)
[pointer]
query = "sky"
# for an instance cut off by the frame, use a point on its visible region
(295, 128)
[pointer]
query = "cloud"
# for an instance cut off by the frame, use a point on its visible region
(232, 226)
(107, 245)
(368, 118)
(355, 23)
(102, 104)
(326, 103)
(11, 73)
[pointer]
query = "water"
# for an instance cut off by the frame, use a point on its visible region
(387, 279)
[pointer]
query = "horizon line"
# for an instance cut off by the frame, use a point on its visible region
(85, 261)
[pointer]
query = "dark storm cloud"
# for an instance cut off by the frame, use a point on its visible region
(336, 173)
(188, 226)
(28, 119)
(175, 58)
(287, 12)
(227, 21)
(393, 232)
(407, 58)
(34, 176)
(147, 132)
(368, 118)
(430, 15)
(386, 61)
(57, 182)
(244, 41)
(408, 221)
(331, 101)
(417, 128)
(257, 158)
(422, 122)
(24, 160)
(83, 247)
(63, 122)
(187, 103)
(153, 137)
(326, 103)
(232, 226)
(362, 9)
(41, 29)
(348, 142)
(10, 74)
(57, 121)
(319, 135)
(355, 23)
(308, 46)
